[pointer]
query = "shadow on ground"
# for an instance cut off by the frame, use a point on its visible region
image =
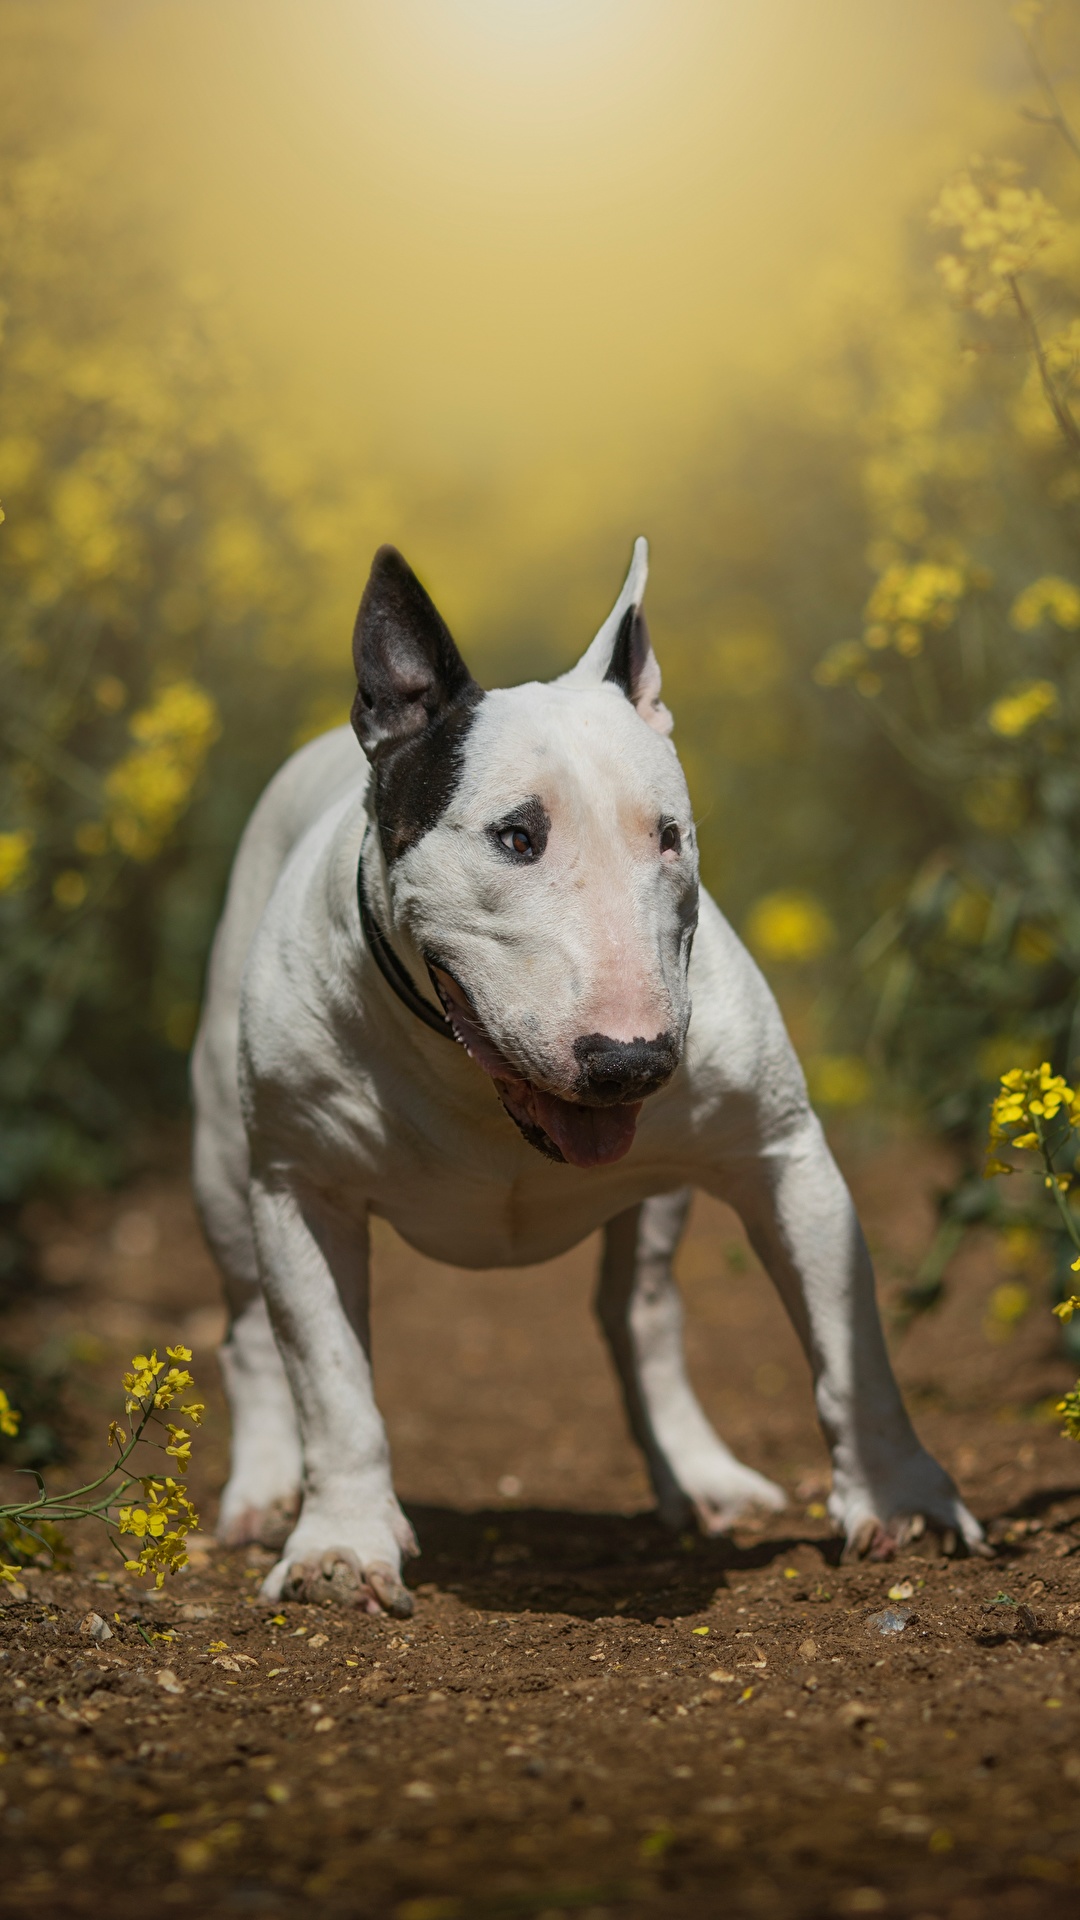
(591, 1565)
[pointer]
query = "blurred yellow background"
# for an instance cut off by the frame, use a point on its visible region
(532, 246)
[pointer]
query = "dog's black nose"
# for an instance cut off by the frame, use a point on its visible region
(613, 1072)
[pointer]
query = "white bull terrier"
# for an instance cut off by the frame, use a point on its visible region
(517, 872)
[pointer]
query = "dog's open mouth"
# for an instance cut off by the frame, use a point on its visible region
(563, 1129)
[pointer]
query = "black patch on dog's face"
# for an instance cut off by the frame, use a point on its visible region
(415, 702)
(415, 782)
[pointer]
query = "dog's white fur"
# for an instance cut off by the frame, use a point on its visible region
(322, 1099)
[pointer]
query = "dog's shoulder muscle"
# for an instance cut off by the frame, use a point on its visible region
(747, 1085)
(302, 792)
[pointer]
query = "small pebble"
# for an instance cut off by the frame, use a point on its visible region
(890, 1619)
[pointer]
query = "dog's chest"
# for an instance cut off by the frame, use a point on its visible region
(468, 1219)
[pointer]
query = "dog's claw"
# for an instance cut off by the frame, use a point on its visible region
(867, 1541)
(390, 1591)
(873, 1540)
(338, 1578)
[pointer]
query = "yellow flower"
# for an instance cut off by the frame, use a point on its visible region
(1036, 1094)
(141, 1381)
(1016, 711)
(790, 925)
(177, 1380)
(838, 1080)
(843, 662)
(150, 788)
(908, 598)
(1049, 597)
(1067, 1308)
(117, 1436)
(14, 859)
(1007, 1306)
(1004, 227)
(9, 1416)
(1070, 1409)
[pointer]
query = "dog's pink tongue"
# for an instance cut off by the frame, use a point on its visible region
(586, 1136)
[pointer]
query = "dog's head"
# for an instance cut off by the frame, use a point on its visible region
(541, 858)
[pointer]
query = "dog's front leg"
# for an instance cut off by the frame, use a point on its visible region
(802, 1224)
(348, 1541)
(639, 1308)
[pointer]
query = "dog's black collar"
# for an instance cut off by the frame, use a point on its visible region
(396, 975)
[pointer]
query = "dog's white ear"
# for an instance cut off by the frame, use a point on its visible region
(409, 673)
(622, 651)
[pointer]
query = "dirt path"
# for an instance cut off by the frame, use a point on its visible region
(586, 1715)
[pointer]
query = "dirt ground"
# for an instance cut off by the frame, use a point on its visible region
(586, 1715)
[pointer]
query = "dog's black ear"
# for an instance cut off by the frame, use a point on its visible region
(409, 673)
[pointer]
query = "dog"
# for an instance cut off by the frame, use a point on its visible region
(452, 986)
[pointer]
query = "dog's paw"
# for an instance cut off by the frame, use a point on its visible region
(337, 1578)
(347, 1553)
(721, 1492)
(918, 1497)
(259, 1526)
(958, 1533)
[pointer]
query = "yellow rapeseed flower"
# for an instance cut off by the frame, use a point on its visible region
(1069, 1408)
(151, 786)
(838, 1080)
(1048, 598)
(1028, 701)
(908, 598)
(790, 925)
(15, 851)
(9, 1416)
(1002, 228)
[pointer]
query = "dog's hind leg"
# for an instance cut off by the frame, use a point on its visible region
(261, 1497)
(641, 1313)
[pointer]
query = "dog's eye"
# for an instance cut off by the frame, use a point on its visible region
(670, 838)
(522, 833)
